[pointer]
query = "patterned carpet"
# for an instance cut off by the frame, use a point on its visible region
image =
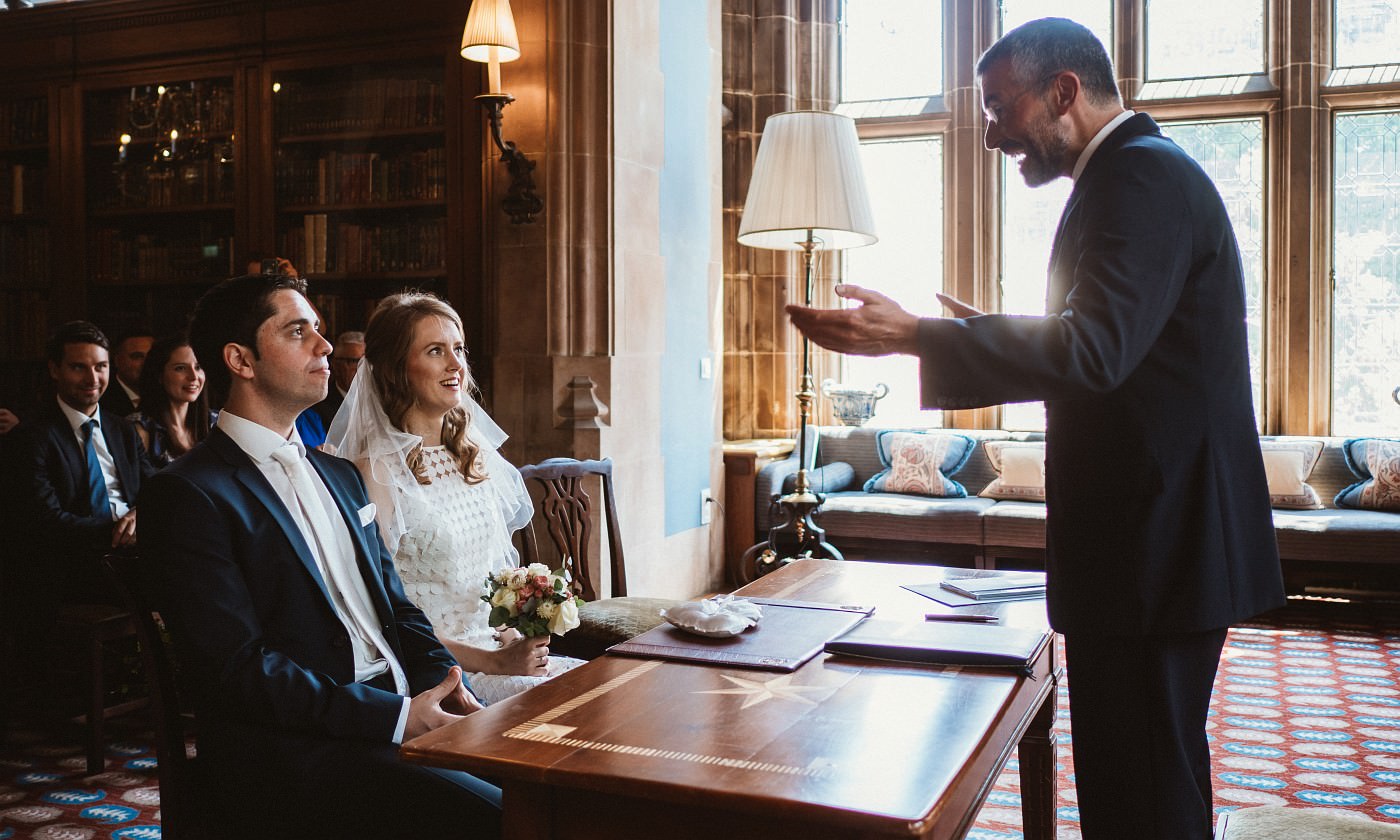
(1306, 713)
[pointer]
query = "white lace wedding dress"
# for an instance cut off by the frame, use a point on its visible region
(454, 536)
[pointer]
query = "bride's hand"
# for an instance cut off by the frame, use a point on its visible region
(524, 656)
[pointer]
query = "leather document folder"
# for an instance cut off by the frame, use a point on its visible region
(789, 634)
(943, 643)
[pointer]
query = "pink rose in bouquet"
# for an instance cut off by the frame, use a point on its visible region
(534, 600)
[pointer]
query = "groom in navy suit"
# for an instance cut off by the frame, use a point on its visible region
(1159, 533)
(307, 662)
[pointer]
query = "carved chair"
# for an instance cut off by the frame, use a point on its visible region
(565, 512)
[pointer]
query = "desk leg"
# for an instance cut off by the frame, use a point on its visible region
(526, 811)
(1037, 756)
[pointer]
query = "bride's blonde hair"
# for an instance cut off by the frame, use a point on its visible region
(388, 341)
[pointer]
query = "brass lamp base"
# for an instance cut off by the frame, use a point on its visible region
(797, 536)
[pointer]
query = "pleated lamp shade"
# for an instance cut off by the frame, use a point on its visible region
(808, 176)
(490, 26)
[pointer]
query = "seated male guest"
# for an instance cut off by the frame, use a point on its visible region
(129, 351)
(307, 662)
(72, 478)
(346, 356)
(85, 466)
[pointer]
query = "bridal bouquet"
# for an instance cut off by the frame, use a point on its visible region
(533, 600)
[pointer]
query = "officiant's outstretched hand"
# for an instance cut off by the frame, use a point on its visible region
(878, 327)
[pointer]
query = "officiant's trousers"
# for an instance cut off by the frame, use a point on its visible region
(1138, 707)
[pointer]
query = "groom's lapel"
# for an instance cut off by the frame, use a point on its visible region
(349, 514)
(252, 479)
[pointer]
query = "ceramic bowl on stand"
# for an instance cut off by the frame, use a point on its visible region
(853, 405)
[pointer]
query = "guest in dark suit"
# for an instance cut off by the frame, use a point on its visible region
(1159, 532)
(123, 397)
(307, 662)
(79, 471)
(82, 487)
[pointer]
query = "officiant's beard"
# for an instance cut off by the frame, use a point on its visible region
(1045, 146)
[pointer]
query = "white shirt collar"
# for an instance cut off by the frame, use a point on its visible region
(255, 439)
(130, 392)
(1097, 141)
(76, 418)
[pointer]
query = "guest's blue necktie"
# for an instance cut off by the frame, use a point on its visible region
(97, 484)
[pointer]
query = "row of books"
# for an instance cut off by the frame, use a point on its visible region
(24, 122)
(319, 246)
(312, 107)
(22, 188)
(143, 258)
(24, 255)
(362, 177)
(173, 185)
(24, 314)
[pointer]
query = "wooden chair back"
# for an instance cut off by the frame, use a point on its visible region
(182, 814)
(566, 513)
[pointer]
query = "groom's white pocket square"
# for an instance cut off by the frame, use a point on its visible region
(367, 514)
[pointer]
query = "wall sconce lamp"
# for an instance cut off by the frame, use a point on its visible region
(489, 37)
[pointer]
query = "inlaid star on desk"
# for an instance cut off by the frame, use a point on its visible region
(757, 692)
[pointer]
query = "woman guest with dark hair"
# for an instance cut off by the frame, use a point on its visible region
(174, 413)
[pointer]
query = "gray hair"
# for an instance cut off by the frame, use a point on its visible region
(1051, 45)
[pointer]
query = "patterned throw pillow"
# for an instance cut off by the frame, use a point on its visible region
(1287, 464)
(920, 463)
(1020, 467)
(1376, 461)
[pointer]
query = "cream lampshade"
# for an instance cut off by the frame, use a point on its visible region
(807, 194)
(808, 177)
(490, 37)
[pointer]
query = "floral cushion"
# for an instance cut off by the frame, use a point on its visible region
(920, 463)
(1287, 464)
(1020, 467)
(1376, 461)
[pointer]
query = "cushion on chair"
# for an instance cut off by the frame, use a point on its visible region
(1287, 465)
(1376, 461)
(920, 463)
(1275, 822)
(608, 621)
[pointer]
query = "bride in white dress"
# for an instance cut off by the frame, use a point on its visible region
(447, 502)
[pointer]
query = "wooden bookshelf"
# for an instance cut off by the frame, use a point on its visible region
(382, 104)
(25, 229)
(361, 181)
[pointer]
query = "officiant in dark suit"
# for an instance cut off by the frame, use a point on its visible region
(1159, 531)
(307, 662)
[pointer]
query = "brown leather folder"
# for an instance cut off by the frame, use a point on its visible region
(788, 634)
(943, 643)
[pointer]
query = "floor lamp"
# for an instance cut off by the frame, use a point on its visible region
(807, 194)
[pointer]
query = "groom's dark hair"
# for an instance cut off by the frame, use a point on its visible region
(230, 313)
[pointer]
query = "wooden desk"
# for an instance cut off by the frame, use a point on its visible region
(840, 748)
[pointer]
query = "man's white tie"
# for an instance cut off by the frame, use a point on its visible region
(349, 595)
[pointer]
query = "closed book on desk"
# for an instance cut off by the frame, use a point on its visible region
(1000, 587)
(788, 634)
(943, 643)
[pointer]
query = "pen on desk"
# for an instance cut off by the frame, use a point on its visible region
(976, 619)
